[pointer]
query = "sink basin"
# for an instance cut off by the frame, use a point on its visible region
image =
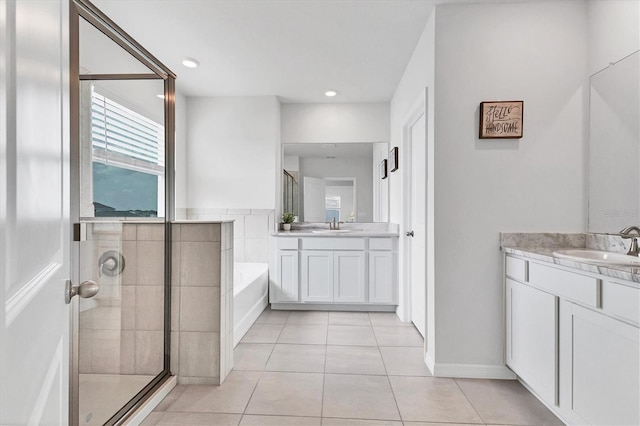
(330, 231)
(596, 256)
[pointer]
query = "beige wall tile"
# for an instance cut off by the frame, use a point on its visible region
(129, 232)
(130, 255)
(175, 352)
(151, 232)
(175, 232)
(105, 353)
(127, 352)
(150, 266)
(200, 232)
(149, 308)
(128, 307)
(149, 356)
(175, 308)
(199, 354)
(176, 249)
(200, 309)
(200, 264)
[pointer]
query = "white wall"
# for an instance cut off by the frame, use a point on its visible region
(335, 123)
(614, 31)
(181, 168)
(536, 52)
(380, 186)
(233, 152)
(418, 75)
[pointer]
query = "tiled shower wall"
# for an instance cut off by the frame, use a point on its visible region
(251, 230)
(202, 302)
(121, 327)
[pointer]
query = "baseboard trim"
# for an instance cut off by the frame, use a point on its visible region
(431, 364)
(143, 411)
(472, 371)
(332, 307)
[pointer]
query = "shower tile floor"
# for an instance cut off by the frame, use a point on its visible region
(343, 368)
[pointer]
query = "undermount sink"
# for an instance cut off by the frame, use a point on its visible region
(330, 231)
(596, 256)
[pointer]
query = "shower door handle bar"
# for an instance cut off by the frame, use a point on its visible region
(85, 290)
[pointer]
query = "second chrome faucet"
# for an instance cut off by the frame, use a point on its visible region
(633, 233)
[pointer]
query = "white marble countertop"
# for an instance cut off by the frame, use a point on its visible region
(545, 254)
(353, 233)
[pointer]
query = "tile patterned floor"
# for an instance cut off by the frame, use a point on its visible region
(343, 369)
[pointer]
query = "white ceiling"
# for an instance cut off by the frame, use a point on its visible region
(294, 49)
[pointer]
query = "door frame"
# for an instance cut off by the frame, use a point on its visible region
(84, 9)
(418, 109)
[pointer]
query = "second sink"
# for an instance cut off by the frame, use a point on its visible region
(597, 256)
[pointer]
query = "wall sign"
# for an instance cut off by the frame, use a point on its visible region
(501, 120)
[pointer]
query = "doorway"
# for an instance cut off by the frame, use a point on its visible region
(122, 130)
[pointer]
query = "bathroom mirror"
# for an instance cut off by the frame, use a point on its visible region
(322, 182)
(614, 147)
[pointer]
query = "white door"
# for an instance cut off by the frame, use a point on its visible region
(314, 199)
(34, 213)
(418, 142)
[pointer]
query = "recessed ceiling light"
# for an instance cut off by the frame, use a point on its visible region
(330, 93)
(190, 63)
(160, 96)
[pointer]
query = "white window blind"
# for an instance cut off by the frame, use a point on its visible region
(121, 137)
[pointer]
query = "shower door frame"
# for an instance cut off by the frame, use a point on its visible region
(83, 9)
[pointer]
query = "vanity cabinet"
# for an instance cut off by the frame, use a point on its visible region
(532, 332)
(316, 272)
(573, 338)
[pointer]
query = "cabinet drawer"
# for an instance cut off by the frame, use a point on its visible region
(380, 244)
(285, 243)
(517, 269)
(621, 301)
(333, 243)
(580, 288)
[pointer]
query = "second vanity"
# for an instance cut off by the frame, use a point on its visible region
(354, 269)
(573, 333)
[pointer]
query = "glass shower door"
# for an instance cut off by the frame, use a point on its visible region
(122, 332)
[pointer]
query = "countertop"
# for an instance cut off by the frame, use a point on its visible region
(356, 230)
(298, 233)
(545, 254)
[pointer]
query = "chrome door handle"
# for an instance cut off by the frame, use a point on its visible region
(409, 234)
(85, 290)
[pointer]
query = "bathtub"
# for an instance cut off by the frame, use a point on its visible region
(250, 295)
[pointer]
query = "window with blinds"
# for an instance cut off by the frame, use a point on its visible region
(128, 161)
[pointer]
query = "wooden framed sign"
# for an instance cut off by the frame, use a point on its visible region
(501, 119)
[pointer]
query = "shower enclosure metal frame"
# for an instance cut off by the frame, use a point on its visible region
(83, 9)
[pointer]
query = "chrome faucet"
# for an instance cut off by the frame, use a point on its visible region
(334, 224)
(626, 233)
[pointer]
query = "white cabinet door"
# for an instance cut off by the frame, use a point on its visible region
(317, 276)
(285, 289)
(531, 338)
(599, 367)
(348, 276)
(381, 273)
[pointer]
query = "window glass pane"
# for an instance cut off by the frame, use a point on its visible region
(119, 192)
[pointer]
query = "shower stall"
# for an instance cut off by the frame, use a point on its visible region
(122, 135)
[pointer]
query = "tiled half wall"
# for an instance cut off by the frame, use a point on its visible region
(202, 302)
